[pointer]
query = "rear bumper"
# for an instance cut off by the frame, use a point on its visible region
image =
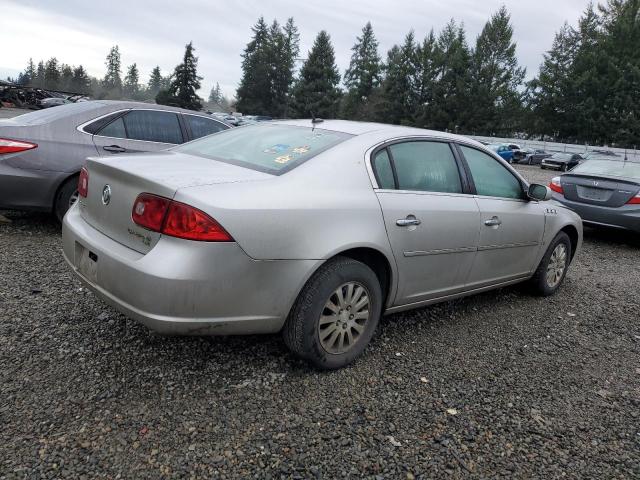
(23, 189)
(626, 217)
(185, 287)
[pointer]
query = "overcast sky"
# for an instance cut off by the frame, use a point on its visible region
(155, 32)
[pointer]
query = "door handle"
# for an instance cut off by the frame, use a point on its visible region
(114, 148)
(408, 221)
(493, 222)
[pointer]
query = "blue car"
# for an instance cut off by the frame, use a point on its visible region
(503, 150)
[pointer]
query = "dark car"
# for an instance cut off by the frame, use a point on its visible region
(604, 192)
(41, 152)
(518, 153)
(533, 156)
(561, 161)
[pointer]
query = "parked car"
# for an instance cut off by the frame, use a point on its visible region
(503, 150)
(533, 156)
(41, 152)
(561, 161)
(53, 102)
(518, 153)
(310, 228)
(602, 154)
(604, 192)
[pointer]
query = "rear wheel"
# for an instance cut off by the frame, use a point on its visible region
(335, 315)
(67, 195)
(564, 167)
(553, 266)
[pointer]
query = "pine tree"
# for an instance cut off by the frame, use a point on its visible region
(427, 71)
(66, 77)
(452, 105)
(496, 78)
(38, 80)
(51, 74)
(362, 76)
(155, 82)
(28, 76)
(399, 89)
(131, 87)
(316, 93)
(215, 97)
(112, 82)
(254, 92)
(80, 83)
(283, 49)
(185, 82)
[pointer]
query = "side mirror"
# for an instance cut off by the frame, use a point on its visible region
(539, 192)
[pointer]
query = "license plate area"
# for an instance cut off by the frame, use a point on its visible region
(87, 263)
(597, 194)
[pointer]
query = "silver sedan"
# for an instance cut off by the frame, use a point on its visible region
(314, 229)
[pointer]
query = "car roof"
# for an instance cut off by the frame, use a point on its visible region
(361, 128)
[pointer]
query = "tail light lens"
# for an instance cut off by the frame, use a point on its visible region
(555, 185)
(634, 200)
(83, 183)
(176, 219)
(14, 146)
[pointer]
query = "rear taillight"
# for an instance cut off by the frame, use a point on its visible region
(555, 185)
(83, 183)
(176, 219)
(634, 200)
(14, 146)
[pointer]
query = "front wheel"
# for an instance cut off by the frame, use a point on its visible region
(553, 266)
(335, 315)
(67, 195)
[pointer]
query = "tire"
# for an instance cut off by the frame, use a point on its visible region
(540, 282)
(310, 326)
(543, 167)
(66, 196)
(563, 168)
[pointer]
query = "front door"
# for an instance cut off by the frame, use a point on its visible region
(511, 226)
(432, 223)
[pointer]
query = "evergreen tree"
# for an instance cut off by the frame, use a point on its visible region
(66, 77)
(51, 74)
(452, 103)
(131, 86)
(316, 93)
(156, 82)
(427, 71)
(362, 76)
(29, 74)
(112, 82)
(38, 80)
(496, 78)
(254, 92)
(185, 82)
(399, 90)
(283, 48)
(80, 82)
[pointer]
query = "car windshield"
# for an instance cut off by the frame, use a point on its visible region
(561, 156)
(612, 168)
(269, 148)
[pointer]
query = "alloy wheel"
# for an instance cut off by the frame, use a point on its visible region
(557, 265)
(344, 318)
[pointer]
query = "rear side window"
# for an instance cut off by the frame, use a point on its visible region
(268, 147)
(97, 125)
(426, 166)
(153, 126)
(114, 129)
(202, 126)
(383, 170)
(491, 178)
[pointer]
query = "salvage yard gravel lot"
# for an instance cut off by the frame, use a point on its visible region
(503, 384)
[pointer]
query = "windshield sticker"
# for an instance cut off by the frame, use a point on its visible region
(283, 159)
(301, 150)
(277, 148)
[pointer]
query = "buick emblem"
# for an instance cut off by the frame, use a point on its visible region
(106, 195)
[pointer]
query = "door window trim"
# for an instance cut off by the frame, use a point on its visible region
(462, 173)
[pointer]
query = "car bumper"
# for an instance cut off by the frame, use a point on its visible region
(24, 189)
(557, 166)
(184, 287)
(626, 217)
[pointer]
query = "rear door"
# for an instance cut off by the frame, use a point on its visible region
(430, 216)
(511, 226)
(140, 131)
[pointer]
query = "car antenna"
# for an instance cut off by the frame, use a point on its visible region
(315, 120)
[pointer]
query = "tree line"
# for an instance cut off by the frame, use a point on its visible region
(586, 90)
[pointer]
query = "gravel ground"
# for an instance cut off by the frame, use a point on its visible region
(498, 385)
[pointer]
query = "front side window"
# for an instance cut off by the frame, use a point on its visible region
(153, 126)
(202, 126)
(491, 178)
(426, 166)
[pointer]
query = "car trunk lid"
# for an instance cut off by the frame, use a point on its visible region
(598, 190)
(114, 184)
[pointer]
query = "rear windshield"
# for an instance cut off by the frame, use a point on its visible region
(269, 148)
(47, 115)
(612, 168)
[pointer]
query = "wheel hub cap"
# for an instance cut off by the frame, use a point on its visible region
(343, 318)
(557, 265)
